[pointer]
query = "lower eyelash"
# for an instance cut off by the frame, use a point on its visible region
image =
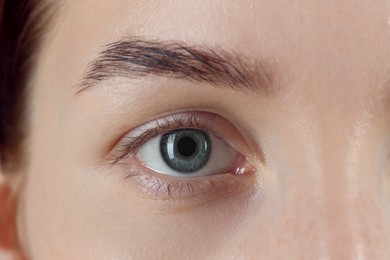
(161, 188)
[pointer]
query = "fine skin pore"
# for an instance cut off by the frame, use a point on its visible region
(315, 121)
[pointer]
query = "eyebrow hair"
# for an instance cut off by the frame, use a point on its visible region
(135, 57)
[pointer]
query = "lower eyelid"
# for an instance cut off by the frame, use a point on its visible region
(158, 187)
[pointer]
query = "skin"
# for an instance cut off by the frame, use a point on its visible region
(321, 191)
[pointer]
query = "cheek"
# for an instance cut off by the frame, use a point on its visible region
(93, 215)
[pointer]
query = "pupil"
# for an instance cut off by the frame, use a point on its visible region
(186, 146)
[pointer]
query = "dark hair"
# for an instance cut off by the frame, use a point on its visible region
(22, 25)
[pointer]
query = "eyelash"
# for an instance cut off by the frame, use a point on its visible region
(162, 188)
(167, 188)
(131, 145)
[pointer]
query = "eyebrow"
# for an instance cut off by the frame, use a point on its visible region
(133, 57)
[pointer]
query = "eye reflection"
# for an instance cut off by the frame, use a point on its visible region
(188, 153)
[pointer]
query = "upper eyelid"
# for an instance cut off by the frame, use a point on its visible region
(147, 132)
(133, 140)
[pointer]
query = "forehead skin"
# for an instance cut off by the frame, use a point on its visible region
(325, 133)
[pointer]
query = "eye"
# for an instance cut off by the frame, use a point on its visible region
(188, 153)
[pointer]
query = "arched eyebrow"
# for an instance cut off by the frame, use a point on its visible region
(135, 57)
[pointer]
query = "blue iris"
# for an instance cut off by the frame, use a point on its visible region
(185, 150)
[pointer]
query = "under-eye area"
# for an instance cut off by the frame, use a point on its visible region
(186, 155)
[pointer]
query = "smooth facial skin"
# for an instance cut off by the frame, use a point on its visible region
(317, 134)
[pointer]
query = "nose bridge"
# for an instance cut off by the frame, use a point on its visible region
(342, 194)
(351, 211)
(330, 200)
(333, 204)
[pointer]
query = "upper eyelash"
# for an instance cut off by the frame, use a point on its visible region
(131, 145)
